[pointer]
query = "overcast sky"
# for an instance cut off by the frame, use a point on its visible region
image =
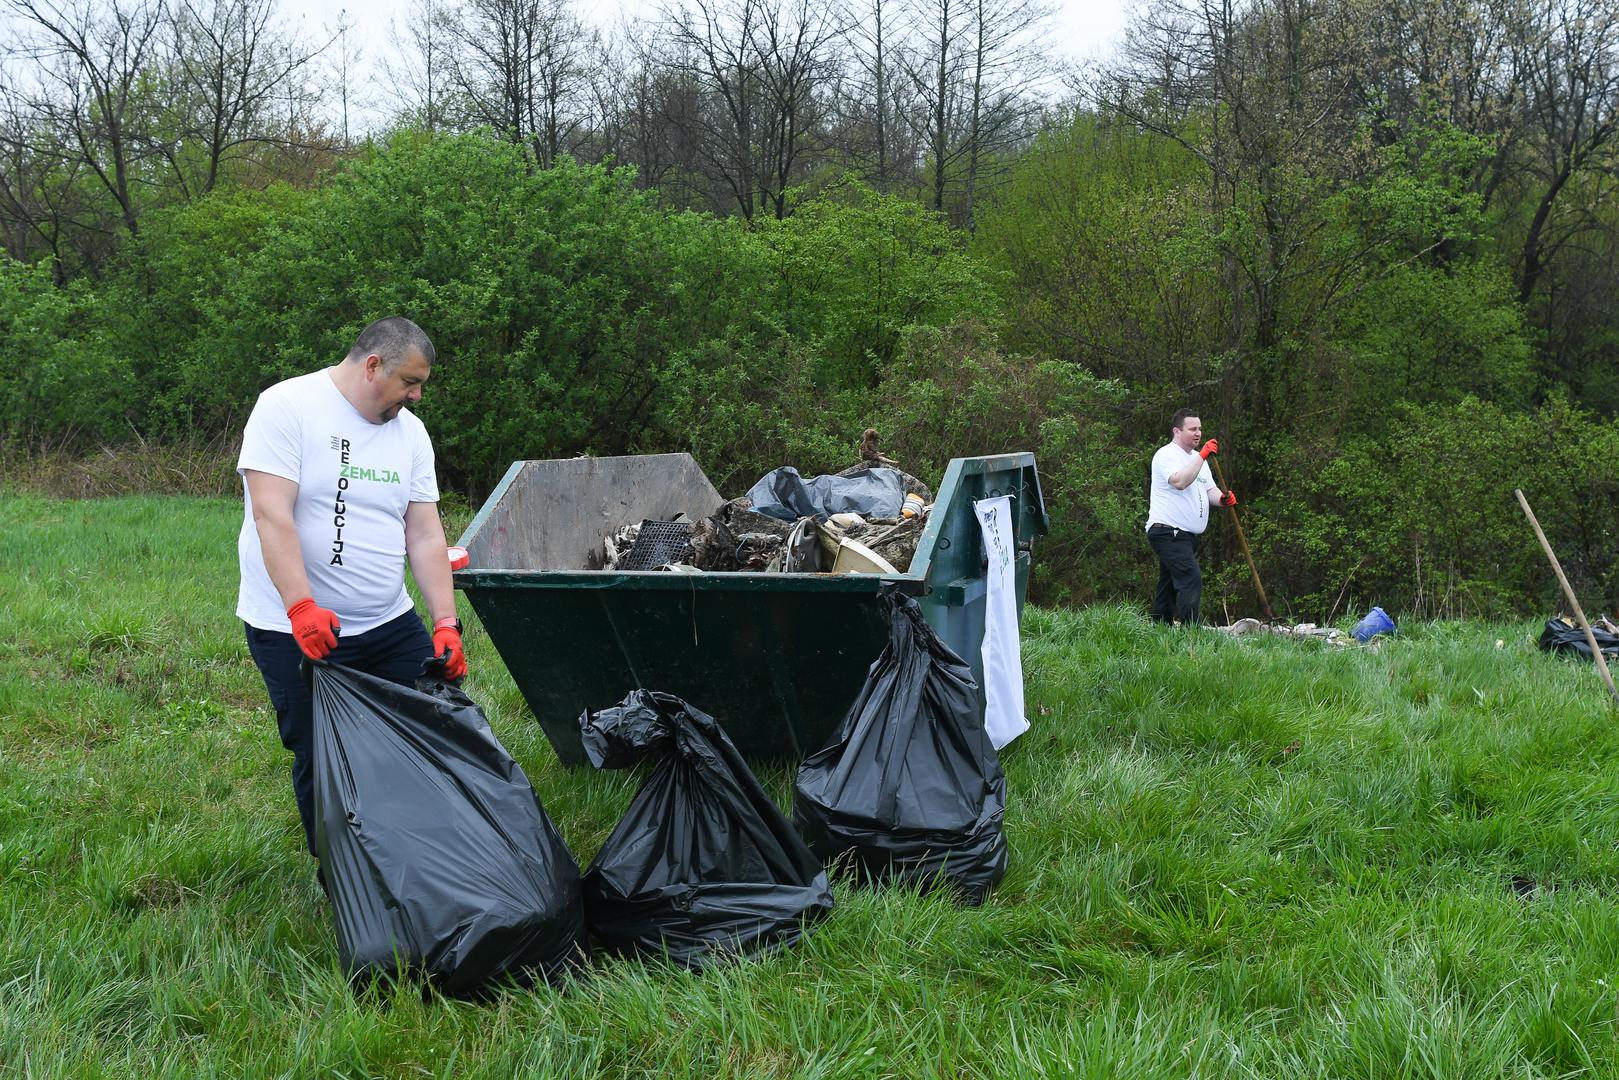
(1080, 29)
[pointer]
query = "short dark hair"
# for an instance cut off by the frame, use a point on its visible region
(1178, 421)
(392, 339)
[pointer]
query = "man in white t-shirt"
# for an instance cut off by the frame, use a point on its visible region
(339, 486)
(1178, 500)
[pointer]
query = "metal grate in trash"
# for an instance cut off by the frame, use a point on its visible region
(658, 542)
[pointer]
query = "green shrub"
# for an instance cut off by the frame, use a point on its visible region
(850, 270)
(1421, 517)
(59, 384)
(951, 393)
(556, 298)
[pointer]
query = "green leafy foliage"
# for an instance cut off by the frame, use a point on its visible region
(951, 393)
(1349, 373)
(1422, 517)
(850, 270)
(57, 382)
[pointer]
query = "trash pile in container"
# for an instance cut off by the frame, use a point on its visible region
(863, 520)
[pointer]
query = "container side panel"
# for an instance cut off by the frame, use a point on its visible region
(556, 513)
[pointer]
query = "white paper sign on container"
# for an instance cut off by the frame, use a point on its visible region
(1003, 656)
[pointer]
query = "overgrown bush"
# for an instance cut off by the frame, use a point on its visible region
(59, 385)
(951, 393)
(1422, 517)
(1374, 429)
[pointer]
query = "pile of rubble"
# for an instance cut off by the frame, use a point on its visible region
(1331, 635)
(866, 519)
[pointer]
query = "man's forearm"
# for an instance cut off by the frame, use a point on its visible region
(432, 576)
(283, 558)
(430, 566)
(1186, 474)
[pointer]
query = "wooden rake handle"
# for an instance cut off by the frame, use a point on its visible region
(1568, 594)
(1242, 541)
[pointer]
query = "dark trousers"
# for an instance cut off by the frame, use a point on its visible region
(1180, 579)
(393, 651)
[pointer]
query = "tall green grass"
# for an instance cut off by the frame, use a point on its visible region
(1229, 858)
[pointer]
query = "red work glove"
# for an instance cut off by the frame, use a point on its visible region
(1229, 499)
(1210, 447)
(314, 628)
(447, 646)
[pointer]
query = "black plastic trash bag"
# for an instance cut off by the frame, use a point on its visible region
(909, 787)
(1563, 636)
(439, 859)
(703, 865)
(871, 493)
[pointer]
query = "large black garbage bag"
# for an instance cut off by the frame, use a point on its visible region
(439, 859)
(1563, 636)
(703, 865)
(909, 787)
(783, 494)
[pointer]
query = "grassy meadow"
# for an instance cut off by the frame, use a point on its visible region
(1230, 858)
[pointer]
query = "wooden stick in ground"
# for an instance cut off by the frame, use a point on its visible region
(1568, 593)
(1242, 542)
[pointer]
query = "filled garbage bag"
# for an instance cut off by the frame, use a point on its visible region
(1561, 635)
(439, 859)
(909, 787)
(871, 493)
(703, 865)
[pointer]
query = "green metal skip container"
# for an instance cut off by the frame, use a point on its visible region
(776, 658)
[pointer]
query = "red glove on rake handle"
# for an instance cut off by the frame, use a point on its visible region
(1210, 447)
(447, 645)
(1229, 499)
(314, 628)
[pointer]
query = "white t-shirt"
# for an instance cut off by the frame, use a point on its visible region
(355, 479)
(1187, 508)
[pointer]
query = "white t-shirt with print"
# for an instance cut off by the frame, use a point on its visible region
(355, 480)
(1186, 509)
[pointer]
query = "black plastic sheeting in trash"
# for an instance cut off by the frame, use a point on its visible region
(439, 859)
(658, 543)
(787, 496)
(909, 787)
(703, 866)
(1562, 636)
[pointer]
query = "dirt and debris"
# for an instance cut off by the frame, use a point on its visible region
(869, 452)
(736, 538)
(1331, 635)
(615, 547)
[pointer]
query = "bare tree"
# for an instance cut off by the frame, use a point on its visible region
(419, 68)
(713, 46)
(935, 69)
(229, 67)
(871, 95)
(522, 67)
(796, 41)
(90, 61)
(1569, 53)
(43, 203)
(1006, 64)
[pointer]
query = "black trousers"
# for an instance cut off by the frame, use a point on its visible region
(393, 651)
(1180, 578)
